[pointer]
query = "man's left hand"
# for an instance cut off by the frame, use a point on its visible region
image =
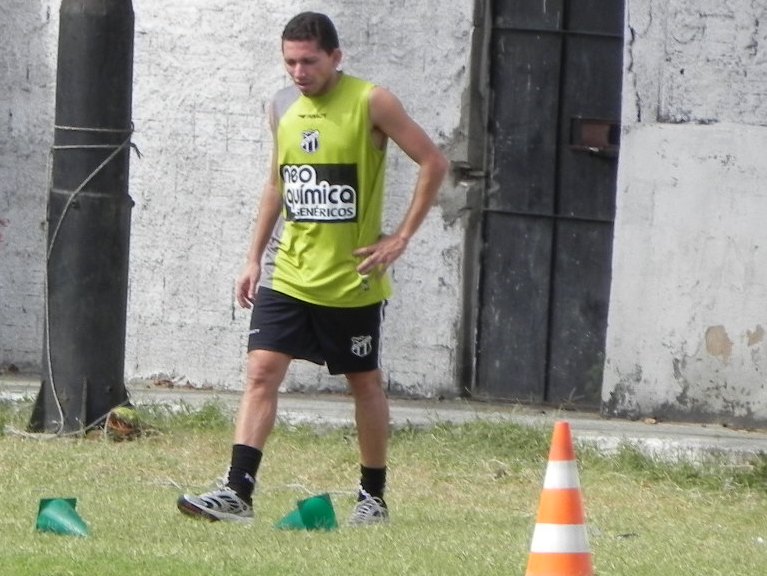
(379, 256)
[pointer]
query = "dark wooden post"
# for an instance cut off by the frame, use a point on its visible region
(89, 212)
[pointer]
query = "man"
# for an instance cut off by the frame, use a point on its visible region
(315, 271)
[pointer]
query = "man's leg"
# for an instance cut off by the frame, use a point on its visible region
(255, 420)
(371, 413)
(265, 371)
(372, 418)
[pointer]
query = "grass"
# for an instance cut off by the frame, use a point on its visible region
(463, 500)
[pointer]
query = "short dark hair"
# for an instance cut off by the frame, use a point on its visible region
(312, 26)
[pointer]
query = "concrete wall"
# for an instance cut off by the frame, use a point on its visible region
(204, 71)
(28, 31)
(686, 336)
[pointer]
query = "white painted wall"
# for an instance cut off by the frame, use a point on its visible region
(28, 30)
(687, 310)
(204, 71)
(686, 320)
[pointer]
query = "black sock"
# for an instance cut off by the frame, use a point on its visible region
(242, 471)
(373, 481)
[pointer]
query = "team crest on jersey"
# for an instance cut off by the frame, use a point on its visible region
(310, 141)
(362, 345)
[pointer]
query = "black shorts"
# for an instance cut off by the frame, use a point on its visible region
(346, 339)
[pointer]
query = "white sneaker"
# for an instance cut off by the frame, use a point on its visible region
(368, 511)
(221, 504)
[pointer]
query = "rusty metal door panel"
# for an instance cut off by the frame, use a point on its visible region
(545, 14)
(548, 212)
(525, 123)
(589, 131)
(594, 16)
(513, 316)
(578, 315)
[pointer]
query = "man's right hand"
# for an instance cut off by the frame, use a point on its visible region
(245, 289)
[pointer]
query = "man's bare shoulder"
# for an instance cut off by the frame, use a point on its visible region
(385, 107)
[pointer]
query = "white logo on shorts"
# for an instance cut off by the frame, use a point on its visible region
(362, 345)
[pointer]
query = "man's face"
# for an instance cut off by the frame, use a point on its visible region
(312, 69)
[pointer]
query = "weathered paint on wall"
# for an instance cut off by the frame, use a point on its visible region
(204, 71)
(686, 337)
(686, 324)
(28, 31)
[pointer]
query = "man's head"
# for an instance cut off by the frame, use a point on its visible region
(311, 52)
(308, 26)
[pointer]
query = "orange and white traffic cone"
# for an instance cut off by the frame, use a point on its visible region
(560, 545)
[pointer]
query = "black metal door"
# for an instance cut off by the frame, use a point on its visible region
(548, 213)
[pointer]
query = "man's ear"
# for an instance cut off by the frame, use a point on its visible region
(336, 56)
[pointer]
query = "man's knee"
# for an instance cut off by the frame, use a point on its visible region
(365, 383)
(265, 370)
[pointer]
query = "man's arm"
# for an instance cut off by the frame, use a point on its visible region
(268, 212)
(389, 117)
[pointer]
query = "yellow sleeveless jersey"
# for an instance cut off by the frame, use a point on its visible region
(331, 177)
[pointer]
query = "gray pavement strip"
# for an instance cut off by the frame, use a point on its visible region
(668, 441)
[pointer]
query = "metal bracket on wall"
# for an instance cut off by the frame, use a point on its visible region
(464, 172)
(597, 136)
